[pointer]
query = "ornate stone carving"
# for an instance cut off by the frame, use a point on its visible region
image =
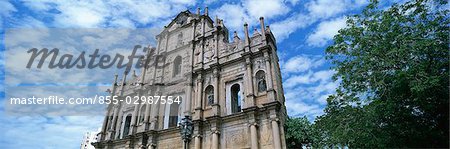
(209, 50)
(198, 29)
(197, 51)
(259, 64)
(236, 138)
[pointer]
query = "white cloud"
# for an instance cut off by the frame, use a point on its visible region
(325, 8)
(234, 16)
(323, 99)
(325, 31)
(265, 8)
(115, 13)
(330, 8)
(122, 22)
(300, 79)
(301, 63)
(311, 92)
(299, 108)
(26, 22)
(7, 9)
(186, 2)
(209, 2)
(307, 85)
(310, 77)
(81, 16)
(283, 29)
(316, 10)
(293, 2)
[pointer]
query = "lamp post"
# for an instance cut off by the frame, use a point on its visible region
(187, 128)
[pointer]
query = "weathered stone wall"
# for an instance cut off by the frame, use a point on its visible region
(208, 59)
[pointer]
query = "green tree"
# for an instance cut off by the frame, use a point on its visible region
(393, 65)
(299, 132)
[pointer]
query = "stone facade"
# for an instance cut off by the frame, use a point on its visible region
(231, 89)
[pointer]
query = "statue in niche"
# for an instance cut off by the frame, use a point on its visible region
(261, 79)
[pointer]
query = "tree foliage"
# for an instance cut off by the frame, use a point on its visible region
(299, 132)
(393, 65)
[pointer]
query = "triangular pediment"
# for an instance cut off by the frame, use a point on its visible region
(184, 18)
(180, 19)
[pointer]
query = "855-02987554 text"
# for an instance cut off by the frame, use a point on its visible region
(97, 99)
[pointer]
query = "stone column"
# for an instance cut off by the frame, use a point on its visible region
(198, 104)
(147, 113)
(263, 30)
(215, 138)
(155, 112)
(118, 124)
(216, 85)
(247, 39)
(197, 142)
(114, 114)
(105, 122)
(203, 43)
(187, 109)
(268, 70)
(117, 113)
(276, 134)
(216, 43)
(190, 79)
(198, 98)
(197, 134)
(249, 87)
(134, 118)
(215, 106)
(254, 136)
(135, 113)
(269, 79)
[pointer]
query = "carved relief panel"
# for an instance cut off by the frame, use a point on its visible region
(259, 64)
(197, 53)
(237, 138)
(198, 29)
(210, 51)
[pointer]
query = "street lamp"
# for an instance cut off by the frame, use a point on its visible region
(187, 128)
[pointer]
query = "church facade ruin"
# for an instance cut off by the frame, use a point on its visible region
(231, 89)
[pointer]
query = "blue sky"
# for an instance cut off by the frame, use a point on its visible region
(303, 29)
